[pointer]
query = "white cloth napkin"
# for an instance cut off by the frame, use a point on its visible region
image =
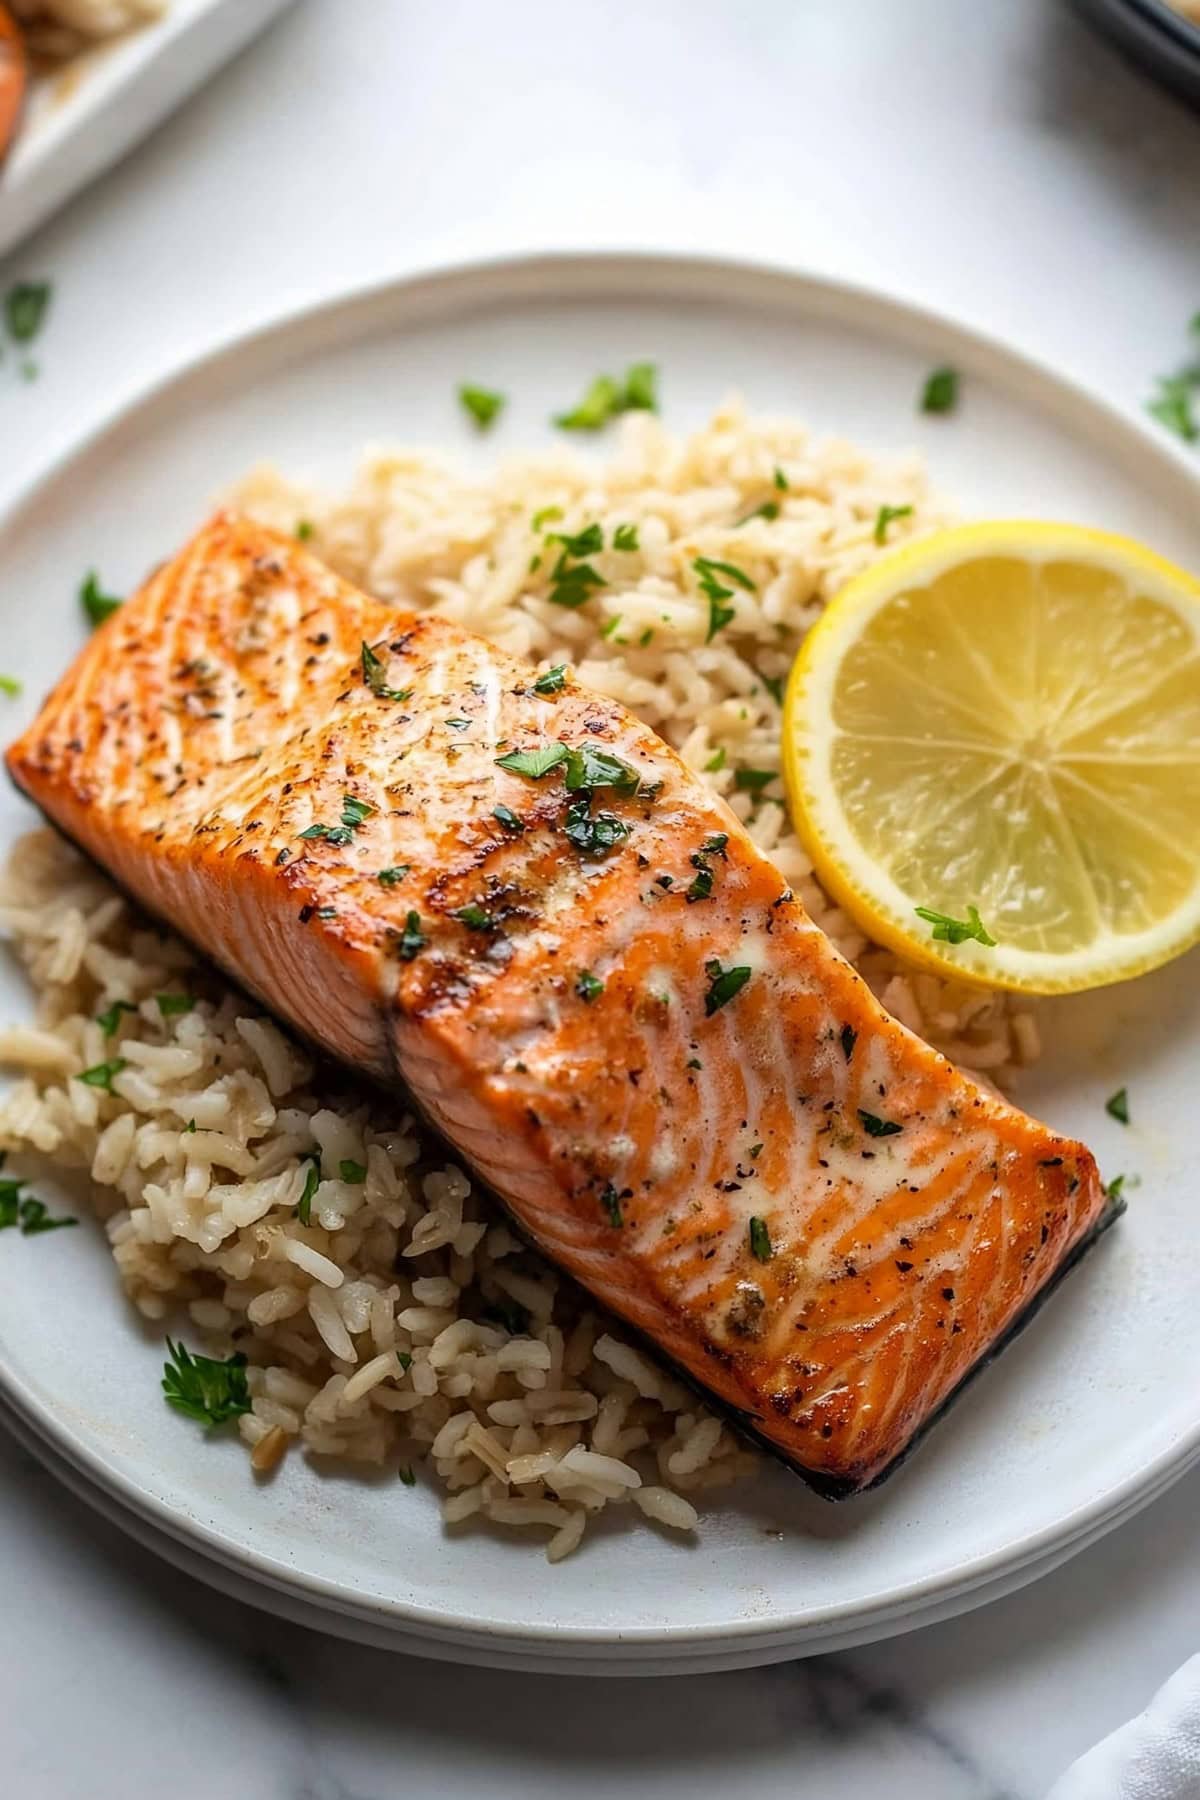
(1155, 1757)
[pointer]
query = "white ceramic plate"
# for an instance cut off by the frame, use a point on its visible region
(1093, 1411)
(80, 119)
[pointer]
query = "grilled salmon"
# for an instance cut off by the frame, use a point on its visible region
(506, 893)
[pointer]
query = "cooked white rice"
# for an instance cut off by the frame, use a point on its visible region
(407, 1322)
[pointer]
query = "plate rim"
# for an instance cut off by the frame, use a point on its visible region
(663, 275)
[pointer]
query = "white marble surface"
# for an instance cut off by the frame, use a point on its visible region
(992, 158)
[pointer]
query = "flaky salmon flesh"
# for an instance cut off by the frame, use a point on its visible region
(503, 893)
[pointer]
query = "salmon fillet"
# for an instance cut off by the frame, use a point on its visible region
(506, 893)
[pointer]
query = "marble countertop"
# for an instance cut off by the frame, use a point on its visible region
(995, 159)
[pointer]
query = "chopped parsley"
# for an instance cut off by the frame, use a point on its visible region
(947, 930)
(588, 986)
(760, 1239)
(707, 569)
(412, 938)
(25, 306)
(612, 627)
(394, 876)
(534, 763)
(753, 781)
(884, 517)
(716, 761)
(101, 1074)
(780, 479)
(1114, 1190)
(547, 515)
(769, 510)
(582, 543)
(374, 675)
(504, 815)
(209, 1392)
(849, 1037)
(475, 917)
(593, 835)
(610, 1200)
(553, 681)
(625, 537)
(773, 685)
(10, 685)
(702, 886)
(1172, 406)
(1117, 1106)
(874, 1126)
(34, 1218)
(404, 1359)
(940, 393)
(110, 1020)
(95, 602)
(572, 584)
(406, 1475)
(592, 768)
(353, 1172)
(355, 814)
(606, 397)
(172, 1005)
(483, 404)
(459, 724)
(304, 530)
(723, 985)
(312, 1181)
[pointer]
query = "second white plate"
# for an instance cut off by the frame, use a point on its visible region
(1087, 1416)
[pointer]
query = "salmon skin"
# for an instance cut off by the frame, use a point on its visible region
(504, 892)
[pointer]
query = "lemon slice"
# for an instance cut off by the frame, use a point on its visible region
(1007, 717)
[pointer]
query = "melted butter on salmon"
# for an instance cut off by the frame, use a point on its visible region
(798, 1201)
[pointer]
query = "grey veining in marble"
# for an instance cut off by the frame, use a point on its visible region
(993, 158)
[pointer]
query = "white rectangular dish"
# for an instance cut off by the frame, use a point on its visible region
(82, 118)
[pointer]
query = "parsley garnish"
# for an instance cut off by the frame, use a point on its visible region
(593, 836)
(874, 1126)
(606, 397)
(172, 1005)
(716, 761)
(355, 813)
(552, 681)
(374, 673)
(547, 514)
(702, 886)
(956, 931)
(583, 543)
(610, 1200)
(508, 818)
(723, 985)
(849, 1038)
(28, 1214)
(110, 1020)
(10, 685)
(760, 1238)
(769, 510)
(312, 1182)
(101, 1075)
(625, 537)
(210, 1392)
(1113, 1189)
(304, 530)
(707, 569)
(25, 307)
(1172, 407)
(534, 763)
(406, 1475)
(1117, 1106)
(459, 724)
(412, 938)
(940, 393)
(588, 986)
(884, 517)
(475, 917)
(780, 479)
(353, 1172)
(95, 602)
(483, 404)
(404, 1359)
(752, 781)
(394, 876)
(573, 583)
(592, 768)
